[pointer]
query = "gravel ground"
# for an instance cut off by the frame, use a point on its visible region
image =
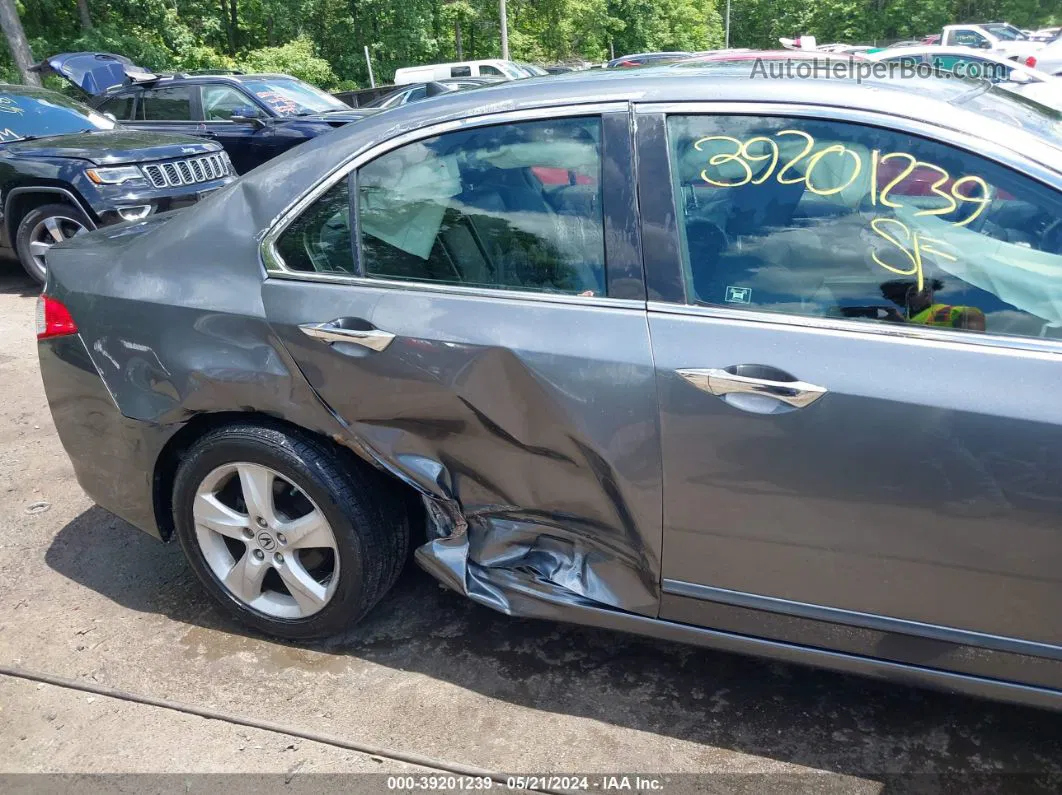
(85, 597)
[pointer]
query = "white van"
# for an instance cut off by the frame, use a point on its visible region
(503, 70)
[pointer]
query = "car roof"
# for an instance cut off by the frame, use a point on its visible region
(300, 168)
(936, 49)
(473, 62)
(769, 55)
(165, 80)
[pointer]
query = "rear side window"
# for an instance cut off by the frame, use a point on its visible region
(319, 240)
(828, 219)
(460, 71)
(968, 38)
(514, 206)
(487, 69)
(119, 107)
(166, 104)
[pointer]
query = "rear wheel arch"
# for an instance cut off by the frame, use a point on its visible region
(170, 457)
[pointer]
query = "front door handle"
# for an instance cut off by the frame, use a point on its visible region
(333, 331)
(797, 394)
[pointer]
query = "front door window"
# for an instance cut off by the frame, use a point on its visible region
(837, 220)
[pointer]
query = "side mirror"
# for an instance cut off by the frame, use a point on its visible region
(242, 118)
(985, 45)
(111, 116)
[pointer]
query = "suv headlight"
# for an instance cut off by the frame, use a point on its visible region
(115, 175)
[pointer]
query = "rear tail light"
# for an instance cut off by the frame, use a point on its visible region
(1031, 61)
(53, 319)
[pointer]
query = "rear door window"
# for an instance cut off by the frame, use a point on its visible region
(120, 107)
(515, 206)
(166, 104)
(968, 38)
(838, 220)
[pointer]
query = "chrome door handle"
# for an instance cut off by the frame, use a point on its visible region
(797, 394)
(328, 333)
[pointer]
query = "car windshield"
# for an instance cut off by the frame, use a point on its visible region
(1005, 32)
(40, 114)
(998, 103)
(288, 96)
(982, 97)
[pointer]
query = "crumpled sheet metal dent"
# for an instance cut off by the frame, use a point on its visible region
(516, 555)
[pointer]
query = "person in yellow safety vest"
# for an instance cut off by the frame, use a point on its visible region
(921, 308)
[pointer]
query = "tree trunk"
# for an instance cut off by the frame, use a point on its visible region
(234, 30)
(16, 42)
(228, 26)
(83, 12)
(503, 23)
(457, 40)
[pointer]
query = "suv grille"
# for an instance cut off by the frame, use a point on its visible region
(188, 172)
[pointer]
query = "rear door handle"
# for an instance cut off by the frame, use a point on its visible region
(330, 332)
(797, 394)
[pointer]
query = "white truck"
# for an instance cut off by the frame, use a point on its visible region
(998, 37)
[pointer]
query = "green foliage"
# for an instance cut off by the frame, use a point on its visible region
(296, 58)
(322, 41)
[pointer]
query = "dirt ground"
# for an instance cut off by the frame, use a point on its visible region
(430, 676)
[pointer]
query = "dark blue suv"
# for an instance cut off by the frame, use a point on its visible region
(254, 117)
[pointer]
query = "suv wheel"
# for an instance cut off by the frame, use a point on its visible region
(285, 532)
(42, 228)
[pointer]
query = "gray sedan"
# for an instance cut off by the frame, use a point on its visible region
(763, 365)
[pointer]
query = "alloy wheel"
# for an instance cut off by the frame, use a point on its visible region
(266, 541)
(50, 230)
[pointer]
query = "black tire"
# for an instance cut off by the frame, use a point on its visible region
(365, 509)
(29, 223)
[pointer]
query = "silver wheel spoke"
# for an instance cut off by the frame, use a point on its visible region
(209, 512)
(80, 231)
(307, 532)
(257, 485)
(39, 249)
(245, 578)
(52, 225)
(309, 594)
(268, 540)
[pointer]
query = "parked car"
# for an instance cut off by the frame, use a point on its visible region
(419, 91)
(646, 59)
(532, 70)
(361, 97)
(1045, 34)
(978, 64)
(774, 370)
(491, 67)
(748, 58)
(65, 169)
(1048, 59)
(254, 117)
(999, 37)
